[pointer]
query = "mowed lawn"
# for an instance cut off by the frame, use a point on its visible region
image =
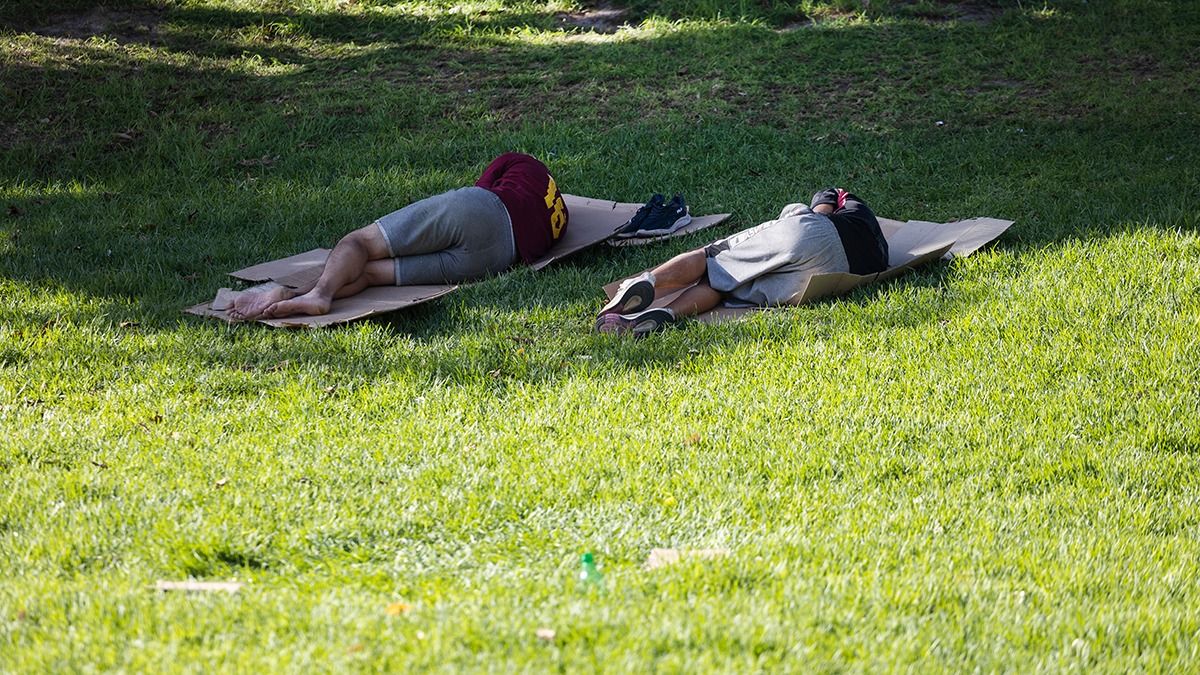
(990, 464)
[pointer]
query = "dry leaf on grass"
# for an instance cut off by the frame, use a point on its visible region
(661, 557)
(199, 586)
(398, 608)
(265, 160)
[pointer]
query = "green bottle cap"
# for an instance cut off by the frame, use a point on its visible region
(588, 559)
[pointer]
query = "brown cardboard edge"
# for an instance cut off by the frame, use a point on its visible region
(984, 230)
(205, 310)
(368, 308)
(573, 241)
(282, 267)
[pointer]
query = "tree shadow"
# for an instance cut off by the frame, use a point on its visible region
(165, 163)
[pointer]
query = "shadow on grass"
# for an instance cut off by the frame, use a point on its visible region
(185, 165)
(489, 335)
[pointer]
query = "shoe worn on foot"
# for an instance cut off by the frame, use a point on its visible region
(633, 295)
(634, 224)
(670, 218)
(639, 325)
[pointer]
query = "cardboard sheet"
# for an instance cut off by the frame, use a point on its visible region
(284, 267)
(298, 270)
(910, 244)
(592, 221)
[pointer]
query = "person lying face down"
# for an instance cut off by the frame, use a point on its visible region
(514, 212)
(768, 264)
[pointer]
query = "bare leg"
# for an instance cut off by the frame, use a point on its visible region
(681, 271)
(251, 305)
(627, 310)
(696, 300)
(379, 273)
(352, 266)
(686, 270)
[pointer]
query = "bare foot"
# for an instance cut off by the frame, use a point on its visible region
(309, 304)
(251, 304)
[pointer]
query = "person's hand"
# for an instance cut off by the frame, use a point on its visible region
(823, 209)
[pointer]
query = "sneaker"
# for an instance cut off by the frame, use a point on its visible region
(631, 226)
(670, 218)
(633, 295)
(640, 324)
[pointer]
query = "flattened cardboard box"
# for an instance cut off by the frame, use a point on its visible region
(910, 244)
(298, 270)
(592, 221)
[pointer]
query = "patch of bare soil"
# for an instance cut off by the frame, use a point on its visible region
(122, 25)
(970, 11)
(798, 24)
(1143, 67)
(9, 136)
(602, 19)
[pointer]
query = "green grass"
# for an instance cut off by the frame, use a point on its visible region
(989, 464)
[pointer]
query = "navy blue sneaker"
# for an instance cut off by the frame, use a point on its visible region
(670, 218)
(639, 325)
(633, 295)
(631, 226)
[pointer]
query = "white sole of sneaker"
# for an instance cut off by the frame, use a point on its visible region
(645, 327)
(675, 227)
(632, 299)
(650, 324)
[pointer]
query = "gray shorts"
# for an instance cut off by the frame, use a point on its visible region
(771, 263)
(459, 235)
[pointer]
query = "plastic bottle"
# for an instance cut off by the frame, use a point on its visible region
(590, 579)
